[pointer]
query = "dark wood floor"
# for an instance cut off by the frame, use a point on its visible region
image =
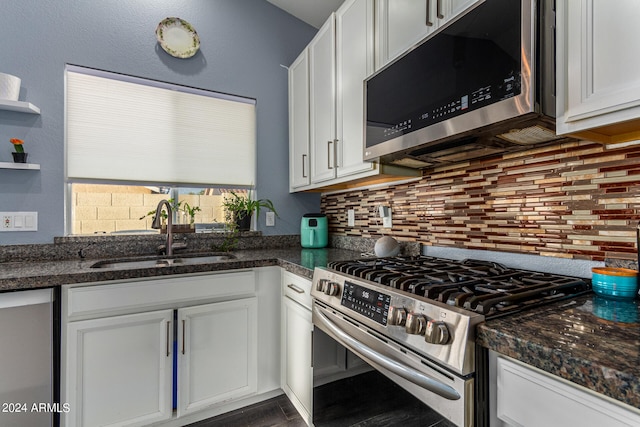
(366, 400)
(276, 412)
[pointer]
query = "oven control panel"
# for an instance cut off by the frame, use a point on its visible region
(367, 302)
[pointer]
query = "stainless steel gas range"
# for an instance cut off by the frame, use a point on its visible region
(413, 319)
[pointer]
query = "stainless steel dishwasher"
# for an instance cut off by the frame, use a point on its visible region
(26, 358)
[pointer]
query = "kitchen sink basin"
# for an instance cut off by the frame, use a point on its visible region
(149, 262)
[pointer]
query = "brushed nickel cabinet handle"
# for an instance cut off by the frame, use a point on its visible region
(304, 157)
(429, 22)
(439, 13)
(295, 288)
(168, 336)
(183, 330)
(329, 154)
(311, 348)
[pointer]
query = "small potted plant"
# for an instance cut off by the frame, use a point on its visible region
(240, 209)
(19, 156)
(175, 207)
(191, 212)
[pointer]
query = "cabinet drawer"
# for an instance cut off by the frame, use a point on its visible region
(297, 288)
(122, 297)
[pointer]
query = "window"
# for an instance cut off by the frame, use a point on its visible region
(118, 209)
(131, 142)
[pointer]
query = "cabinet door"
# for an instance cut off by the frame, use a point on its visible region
(598, 63)
(354, 63)
(119, 370)
(522, 391)
(297, 373)
(217, 356)
(322, 102)
(299, 121)
(403, 23)
(457, 7)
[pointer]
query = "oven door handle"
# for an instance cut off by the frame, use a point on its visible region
(399, 369)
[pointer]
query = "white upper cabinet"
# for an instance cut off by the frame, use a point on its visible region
(598, 78)
(299, 121)
(339, 58)
(354, 63)
(322, 84)
(403, 23)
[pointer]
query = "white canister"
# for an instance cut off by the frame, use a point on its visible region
(9, 87)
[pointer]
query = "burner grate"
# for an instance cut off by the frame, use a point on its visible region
(484, 287)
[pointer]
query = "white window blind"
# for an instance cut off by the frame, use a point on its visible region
(130, 129)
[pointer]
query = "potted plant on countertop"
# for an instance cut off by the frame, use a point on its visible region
(19, 156)
(239, 209)
(191, 212)
(176, 208)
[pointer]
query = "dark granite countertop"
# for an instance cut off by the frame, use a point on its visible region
(588, 340)
(30, 275)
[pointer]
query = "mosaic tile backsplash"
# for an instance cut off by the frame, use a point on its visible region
(573, 200)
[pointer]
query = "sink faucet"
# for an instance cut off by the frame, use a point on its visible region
(157, 223)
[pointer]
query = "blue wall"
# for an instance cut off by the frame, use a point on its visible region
(243, 44)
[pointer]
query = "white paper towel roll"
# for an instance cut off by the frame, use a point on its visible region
(9, 87)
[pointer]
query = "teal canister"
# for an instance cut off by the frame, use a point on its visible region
(314, 230)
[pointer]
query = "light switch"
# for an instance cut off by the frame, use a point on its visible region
(31, 221)
(18, 221)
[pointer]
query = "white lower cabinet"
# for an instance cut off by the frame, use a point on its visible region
(119, 370)
(526, 396)
(297, 373)
(127, 346)
(216, 353)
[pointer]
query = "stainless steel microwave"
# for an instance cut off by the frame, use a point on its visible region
(482, 85)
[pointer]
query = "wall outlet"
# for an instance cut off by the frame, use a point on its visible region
(386, 221)
(385, 214)
(271, 219)
(7, 221)
(351, 218)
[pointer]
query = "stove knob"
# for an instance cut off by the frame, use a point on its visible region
(397, 316)
(436, 333)
(416, 324)
(321, 285)
(332, 289)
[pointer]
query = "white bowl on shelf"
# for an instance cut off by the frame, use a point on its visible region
(9, 87)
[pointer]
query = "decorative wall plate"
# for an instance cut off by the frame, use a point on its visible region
(177, 37)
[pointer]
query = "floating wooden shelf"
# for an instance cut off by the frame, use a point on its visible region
(19, 106)
(23, 166)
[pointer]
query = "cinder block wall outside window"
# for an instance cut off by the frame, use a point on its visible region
(106, 209)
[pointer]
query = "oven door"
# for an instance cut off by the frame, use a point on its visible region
(394, 385)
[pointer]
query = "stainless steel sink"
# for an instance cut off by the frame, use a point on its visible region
(149, 262)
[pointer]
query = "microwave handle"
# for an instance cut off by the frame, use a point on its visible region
(397, 368)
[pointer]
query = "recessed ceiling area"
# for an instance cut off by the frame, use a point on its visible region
(313, 12)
